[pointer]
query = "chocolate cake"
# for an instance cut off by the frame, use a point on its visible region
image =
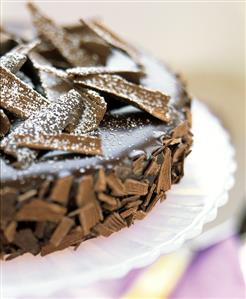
(93, 134)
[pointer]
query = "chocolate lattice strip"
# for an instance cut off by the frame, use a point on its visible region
(153, 102)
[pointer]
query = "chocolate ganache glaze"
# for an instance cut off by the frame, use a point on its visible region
(62, 198)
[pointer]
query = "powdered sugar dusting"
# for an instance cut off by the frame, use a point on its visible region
(94, 108)
(48, 120)
(84, 71)
(17, 96)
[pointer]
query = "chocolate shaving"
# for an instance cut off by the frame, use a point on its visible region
(40, 229)
(89, 41)
(17, 97)
(68, 47)
(134, 187)
(8, 198)
(89, 216)
(61, 189)
(128, 212)
(149, 195)
(80, 72)
(111, 38)
(85, 191)
(92, 106)
(27, 195)
(179, 152)
(88, 145)
(44, 188)
(181, 130)
(164, 180)
(74, 237)
(52, 80)
(139, 215)
(101, 184)
(102, 230)
(116, 185)
(10, 231)
(90, 212)
(112, 223)
(61, 231)
(129, 199)
(39, 210)
(153, 102)
(110, 200)
(122, 171)
(4, 124)
(154, 201)
(93, 110)
(133, 204)
(138, 165)
(48, 120)
(26, 240)
(153, 168)
(115, 222)
(14, 59)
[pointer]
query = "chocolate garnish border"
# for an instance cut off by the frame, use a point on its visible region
(104, 212)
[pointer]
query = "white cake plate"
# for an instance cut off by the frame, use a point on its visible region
(208, 176)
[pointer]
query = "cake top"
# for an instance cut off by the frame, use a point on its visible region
(59, 90)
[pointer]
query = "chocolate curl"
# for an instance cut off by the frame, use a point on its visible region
(111, 38)
(89, 41)
(14, 59)
(18, 97)
(68, 47)
(77, 72)
(93, 111)
(153, 102)
(52, 80)
(92, 108)
(48, 120)
(87, 145)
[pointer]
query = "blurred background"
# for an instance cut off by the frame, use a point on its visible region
(202, 40)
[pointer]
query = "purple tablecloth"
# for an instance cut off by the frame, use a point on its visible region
(213, 273)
